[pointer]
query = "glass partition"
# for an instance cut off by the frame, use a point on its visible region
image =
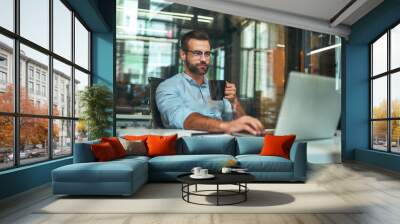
(257, 56)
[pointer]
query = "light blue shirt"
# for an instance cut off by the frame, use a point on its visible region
(180, 95)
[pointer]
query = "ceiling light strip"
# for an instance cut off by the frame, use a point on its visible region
(323, 49)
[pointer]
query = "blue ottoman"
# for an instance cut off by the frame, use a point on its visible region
(118, 177)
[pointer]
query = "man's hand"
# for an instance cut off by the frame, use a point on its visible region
(244, 123)
(230, 95)
(230, 92)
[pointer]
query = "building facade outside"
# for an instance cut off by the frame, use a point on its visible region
(34, 82)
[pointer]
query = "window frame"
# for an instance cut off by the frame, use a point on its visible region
(3, 77)
(3, 69)
(16, 114)
(388, 74)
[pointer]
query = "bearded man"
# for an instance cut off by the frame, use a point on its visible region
(184, 99)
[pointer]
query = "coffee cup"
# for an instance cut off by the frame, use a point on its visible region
(196, 170)
(226, 170)
(217, 89)
(203, 172)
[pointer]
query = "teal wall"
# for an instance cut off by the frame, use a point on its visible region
(103, 63)
(381, 159)
(24, 178)
(103, 57)
(92, 12)
(356, 86)
(99, 15)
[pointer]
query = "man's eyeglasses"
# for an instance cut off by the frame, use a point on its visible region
(196, 53)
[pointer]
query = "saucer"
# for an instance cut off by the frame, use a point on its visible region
(240, 170)
(208, 176)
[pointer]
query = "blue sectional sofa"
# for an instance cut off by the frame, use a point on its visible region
(125, 176)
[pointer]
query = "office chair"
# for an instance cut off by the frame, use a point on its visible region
(155, 113)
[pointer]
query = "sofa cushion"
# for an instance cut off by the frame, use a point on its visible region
(185, 163)
(112, 171)
(83, 152)
(93, 172)
(249, 145)
(207, 144)
(134, 157)
(257, 163)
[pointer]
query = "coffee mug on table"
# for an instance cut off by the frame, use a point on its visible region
(217, 89)
(226, 170)
(196, 171)
(203, 172)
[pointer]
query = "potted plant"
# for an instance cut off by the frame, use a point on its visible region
(96, 104)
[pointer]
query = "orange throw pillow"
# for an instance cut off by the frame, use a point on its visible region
(103, 152)
(277, 145)
(161, 145)
(116, 145)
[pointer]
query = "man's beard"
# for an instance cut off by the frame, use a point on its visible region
(193, 68)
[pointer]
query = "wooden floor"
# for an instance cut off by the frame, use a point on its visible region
(377, 188)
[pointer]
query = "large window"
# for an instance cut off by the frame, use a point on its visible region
(39, 80)
(257, 56)
(385, 92)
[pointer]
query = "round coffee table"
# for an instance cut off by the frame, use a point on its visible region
(238, 179)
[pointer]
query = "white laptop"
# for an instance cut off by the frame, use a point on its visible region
(310, 108)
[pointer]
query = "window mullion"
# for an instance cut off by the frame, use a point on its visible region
(50, 81)
(73, 81)
(389, 106)
(371, 89)
(16, 83)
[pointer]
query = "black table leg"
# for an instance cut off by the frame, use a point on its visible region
(245, 193)
(217, 194)
(188, 190)
(185, 188)
(182, 190)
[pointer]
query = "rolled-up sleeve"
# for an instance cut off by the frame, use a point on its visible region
(171, 106)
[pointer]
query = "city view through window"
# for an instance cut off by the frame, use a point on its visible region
(38, 118)
(385, 82)
(257, 56)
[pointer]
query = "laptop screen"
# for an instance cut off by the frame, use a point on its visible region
(311, 107)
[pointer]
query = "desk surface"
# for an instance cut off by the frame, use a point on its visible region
(180, 132)
(145, 131)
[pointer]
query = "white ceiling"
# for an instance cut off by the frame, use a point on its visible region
(315, 15)
(320, 9)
